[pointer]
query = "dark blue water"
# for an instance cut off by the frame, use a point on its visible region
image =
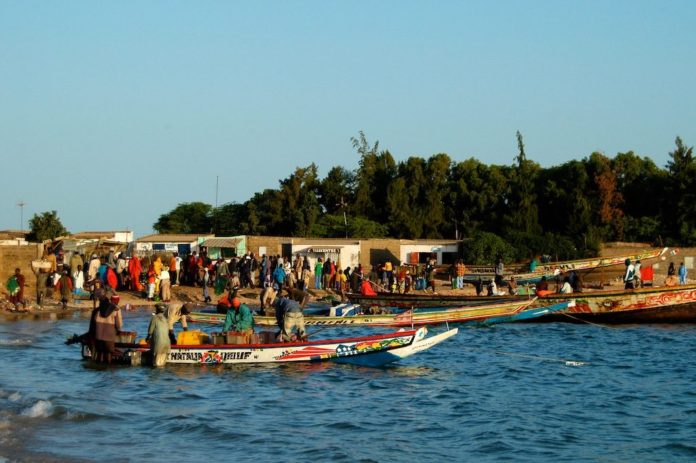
(547, 392)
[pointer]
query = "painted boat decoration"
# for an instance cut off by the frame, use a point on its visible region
(414, 317)
(667, 304)
(375, 350)
(550, 270)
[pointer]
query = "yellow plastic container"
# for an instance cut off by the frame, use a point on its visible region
(191, 337)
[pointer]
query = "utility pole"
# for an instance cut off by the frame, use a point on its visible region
(215, 211)
(21, 205)
(345, 220)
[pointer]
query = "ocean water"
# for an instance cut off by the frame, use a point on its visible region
(528, 392)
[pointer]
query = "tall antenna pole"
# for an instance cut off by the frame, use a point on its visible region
(21, 205)
(215, 213)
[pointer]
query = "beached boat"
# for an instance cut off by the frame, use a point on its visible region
(375, 350)
(413, 317)
(667, 304)
(550, 270)
(419, 299)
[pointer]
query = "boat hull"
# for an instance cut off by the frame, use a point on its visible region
(675, 304)
(551, 270)
(415, 317)
(417, 300)
(375, 350)
(525, 315)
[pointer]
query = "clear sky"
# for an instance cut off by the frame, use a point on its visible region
(112, 113)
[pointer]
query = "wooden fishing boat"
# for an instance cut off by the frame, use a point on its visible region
(418, 299)
(374, 350)
(667, 304)
(525, 315)
(408, 318)
(550, 270)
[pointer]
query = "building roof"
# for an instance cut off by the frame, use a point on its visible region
(429, 241)
(87, 235)
(220, 242)
(173, 238)
(14, 234)
(325, 241)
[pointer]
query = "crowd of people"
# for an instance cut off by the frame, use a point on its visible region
(285, 283)
(153, 276)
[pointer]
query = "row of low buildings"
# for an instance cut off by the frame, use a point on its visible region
(347, 252)
(16, 251)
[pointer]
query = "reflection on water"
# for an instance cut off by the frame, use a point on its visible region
(485, 395)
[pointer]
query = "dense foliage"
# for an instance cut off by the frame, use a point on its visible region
(46, 226)
(517, 211)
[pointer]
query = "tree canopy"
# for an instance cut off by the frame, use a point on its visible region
(523, 209)
(46, 226)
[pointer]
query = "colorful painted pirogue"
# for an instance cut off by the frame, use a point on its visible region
(552, 269)
(667, 304)
(374, 350)
(418, 299)
(415, 317)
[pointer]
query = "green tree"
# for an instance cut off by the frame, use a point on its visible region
(475, 197)
(404, 222)
(337, 191)
(46, 226)
(681, 193)
(434, 196)
(564, 207)
(300, 203)
(522, 201)
(375, 172)
(186, 218)
(641, 184)
(484, 247)
(230, 220)
(332, 226)
(265, 213)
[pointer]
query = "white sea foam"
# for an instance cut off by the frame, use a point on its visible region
(15, 342)
(14, 397)
(40, 409)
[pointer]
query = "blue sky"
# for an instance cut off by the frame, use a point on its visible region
(112, 113)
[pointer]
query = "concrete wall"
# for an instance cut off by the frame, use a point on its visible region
(348, 255)
(273, 245)
(437, 249)
(12, 257)
(375, 251)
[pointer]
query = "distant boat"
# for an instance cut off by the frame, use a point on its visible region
(551, 270)
(666, 304)
(374, 350)
(420, 299)
(480, 315)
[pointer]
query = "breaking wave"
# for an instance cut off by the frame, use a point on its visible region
(41, 409)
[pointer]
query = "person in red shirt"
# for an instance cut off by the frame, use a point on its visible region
(135, 268)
